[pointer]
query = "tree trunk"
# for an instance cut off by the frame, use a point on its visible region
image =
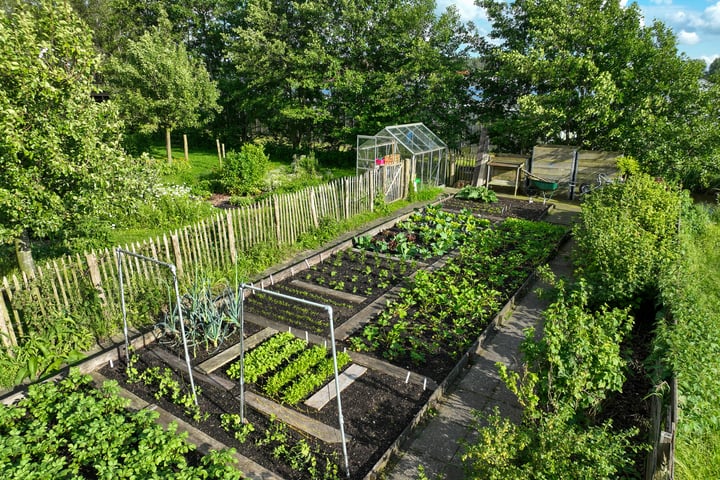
(24, 254)
(168, 145)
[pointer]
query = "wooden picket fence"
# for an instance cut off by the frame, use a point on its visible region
(214, 243)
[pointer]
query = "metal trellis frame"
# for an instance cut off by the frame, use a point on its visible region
(120, 252)
(329, 310)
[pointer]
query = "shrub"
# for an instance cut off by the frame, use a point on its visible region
(578, 358)
(626, 236)
(243, 172)
(552, 447)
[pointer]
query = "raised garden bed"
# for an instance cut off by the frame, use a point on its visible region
(401, 342)
(503, 208)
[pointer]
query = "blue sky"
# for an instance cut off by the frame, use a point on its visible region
(696, 23)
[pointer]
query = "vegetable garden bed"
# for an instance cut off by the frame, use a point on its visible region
(400, 334)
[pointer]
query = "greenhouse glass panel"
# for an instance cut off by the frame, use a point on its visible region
(428, 155)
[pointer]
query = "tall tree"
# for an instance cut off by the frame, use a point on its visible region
(284, 66)
(62, 167)
(401, 63)
(589, 73)
(344, 67)
(159, 86)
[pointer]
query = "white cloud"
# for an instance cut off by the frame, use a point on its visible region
(709, 59)
(688, 38)
(708, 20)
(466, 8)
(712, 17)
(661, 2)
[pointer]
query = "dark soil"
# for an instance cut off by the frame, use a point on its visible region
(631, 407)
(376, 409)
(360, 272)
(306, 317)
(504, 208)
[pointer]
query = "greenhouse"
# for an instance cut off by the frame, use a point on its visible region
(427, 154)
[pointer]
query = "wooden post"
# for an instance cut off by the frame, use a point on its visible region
(168, 146)
(313, 208)
(231, 237)
(95, 276)
(223, 150)
(451, 180)
(177, 253)
(217, 142)
(481, 160)
(185, 146)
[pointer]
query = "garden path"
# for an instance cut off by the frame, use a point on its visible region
(437, 444)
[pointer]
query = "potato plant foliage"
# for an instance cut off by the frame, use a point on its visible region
(69, 429)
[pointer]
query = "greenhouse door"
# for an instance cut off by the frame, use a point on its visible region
(390, 180)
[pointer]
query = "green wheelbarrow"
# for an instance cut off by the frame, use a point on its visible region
(536, 185)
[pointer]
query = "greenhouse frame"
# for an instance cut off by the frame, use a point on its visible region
(427, 153)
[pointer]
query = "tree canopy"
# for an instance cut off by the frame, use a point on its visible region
(590, 73)
(159, 86)
(63, 171)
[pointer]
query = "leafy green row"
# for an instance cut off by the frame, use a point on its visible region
(310, 381)
(69, 429)
(304, 362)
(267, 356)
(428, 233)
(444, 310)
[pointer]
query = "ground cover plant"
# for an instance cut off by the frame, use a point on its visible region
(70, 429)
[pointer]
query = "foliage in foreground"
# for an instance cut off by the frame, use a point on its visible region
(689, 348)
(548, 448)
(71, 430)
(569, 371)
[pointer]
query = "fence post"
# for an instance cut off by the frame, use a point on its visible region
(231, 236)
(276, 208)
(177, 253)
(313, 208)
(6, 328)
(451, 180)
(95, 276)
